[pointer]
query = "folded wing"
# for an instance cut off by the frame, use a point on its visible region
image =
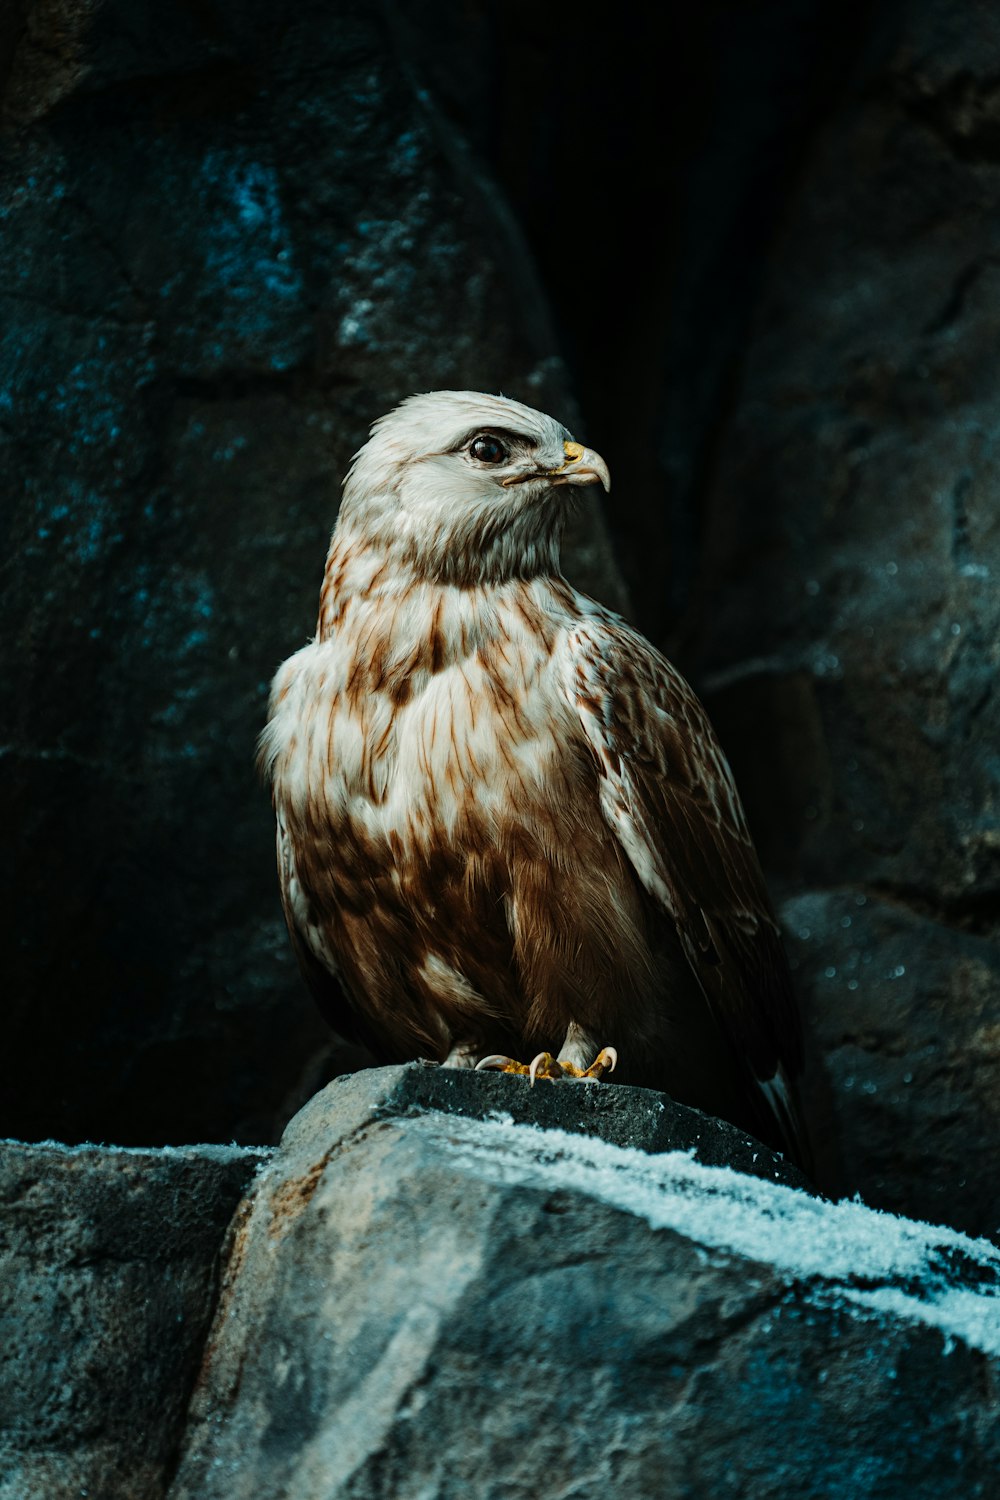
(667, 793)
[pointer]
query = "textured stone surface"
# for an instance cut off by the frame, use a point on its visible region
(426, 1305)
(851, 648)
(905, 1016)
(639, 1118)
(108, 1263)
(230, 237)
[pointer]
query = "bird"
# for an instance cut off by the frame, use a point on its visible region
(507, 834)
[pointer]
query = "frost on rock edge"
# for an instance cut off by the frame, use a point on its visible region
(877, 1263)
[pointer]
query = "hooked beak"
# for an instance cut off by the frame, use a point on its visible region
(581, 466)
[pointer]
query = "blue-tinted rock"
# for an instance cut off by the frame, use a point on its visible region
(229, 240)
(849, 653)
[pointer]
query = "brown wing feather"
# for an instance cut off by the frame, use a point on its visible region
(669, 795)
(321, 978)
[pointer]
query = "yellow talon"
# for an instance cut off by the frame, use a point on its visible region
(501, 1064)
(544, 1065)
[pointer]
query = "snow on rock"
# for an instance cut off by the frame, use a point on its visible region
(874, 1261)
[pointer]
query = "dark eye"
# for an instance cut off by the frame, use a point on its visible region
(488, 450)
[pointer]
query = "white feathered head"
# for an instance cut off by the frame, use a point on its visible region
(466, 487)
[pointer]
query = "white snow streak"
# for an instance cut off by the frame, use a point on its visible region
(842, 1252)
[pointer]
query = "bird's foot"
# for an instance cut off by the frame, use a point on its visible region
(556, 1070)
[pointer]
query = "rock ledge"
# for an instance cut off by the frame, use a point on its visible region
(428, 1298)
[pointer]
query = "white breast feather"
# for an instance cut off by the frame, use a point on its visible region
(422, 759)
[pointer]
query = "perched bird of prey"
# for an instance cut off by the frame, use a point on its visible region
(505, 826)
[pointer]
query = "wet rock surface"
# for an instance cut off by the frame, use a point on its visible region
(108, 1264)
(428, 1304)
(231, 238)
(850, 652)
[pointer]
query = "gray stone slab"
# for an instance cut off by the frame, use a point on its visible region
(108, 1263)
(423, 1303)
(641, 1118)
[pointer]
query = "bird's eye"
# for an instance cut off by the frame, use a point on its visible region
(488, 450)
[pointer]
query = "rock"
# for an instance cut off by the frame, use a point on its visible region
(231, 238)
(428, 1304)
(904, 1014)
(849, 654)
(674, 133)
(107, 1276)
(638, 1118)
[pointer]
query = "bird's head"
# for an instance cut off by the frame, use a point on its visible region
(467, 488)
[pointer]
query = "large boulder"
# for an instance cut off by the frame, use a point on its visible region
(444, 1302)
(108, 1263)
(850, 653)
(231, 237)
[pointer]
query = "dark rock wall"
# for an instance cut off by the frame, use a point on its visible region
(230, 240)
(849, 643)
(648, 188)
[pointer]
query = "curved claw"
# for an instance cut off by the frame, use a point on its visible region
(494, 1061)
(542, 1060)
(607, 1058)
